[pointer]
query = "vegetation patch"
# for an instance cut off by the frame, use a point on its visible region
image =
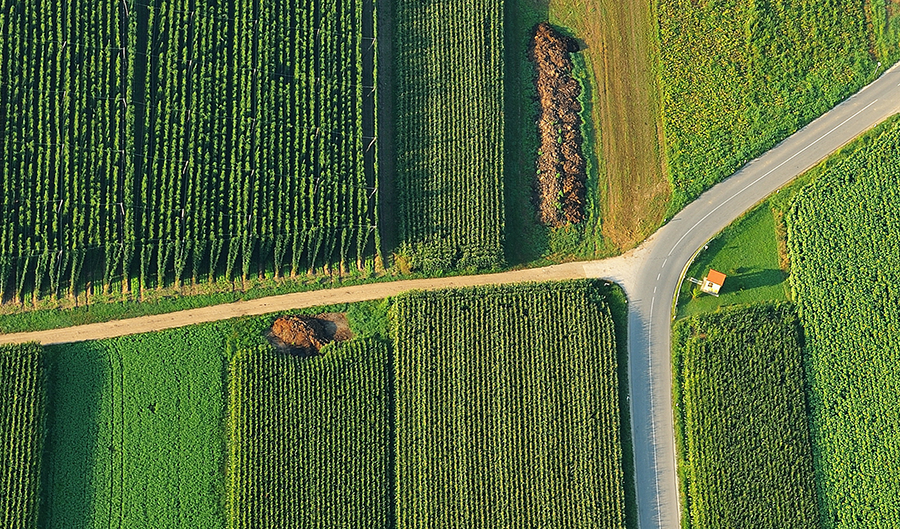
(507, 408)
(136, 431)
(309, 438)
(737, 80)
(163, 143)
(449, 118)
(560, 165)
(23, 410)
(844, 238)
(745, 457)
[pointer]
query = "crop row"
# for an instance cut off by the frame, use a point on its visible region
(449, 132)
(844, 238)
(172, 142)
(23, 401)
(741, 422)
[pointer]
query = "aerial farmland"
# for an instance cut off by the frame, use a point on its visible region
(438, 264)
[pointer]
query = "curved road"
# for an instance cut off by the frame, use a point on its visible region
(650, 275)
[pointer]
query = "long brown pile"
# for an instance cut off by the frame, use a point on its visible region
(560, 164)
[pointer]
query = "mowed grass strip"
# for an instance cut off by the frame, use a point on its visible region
(507, 408)
(745, 456)
(136, 431)
(844, 239)
(309, 442)
(23, 400)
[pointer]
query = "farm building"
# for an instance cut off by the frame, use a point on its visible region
(713, 282)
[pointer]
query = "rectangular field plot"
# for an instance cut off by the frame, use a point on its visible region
(507, 409)
(741, 421)
(309, 442)
(23, 399)
(449, 132)
(135, 432)
(168, 142)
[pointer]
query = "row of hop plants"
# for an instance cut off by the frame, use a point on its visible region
(228, 143)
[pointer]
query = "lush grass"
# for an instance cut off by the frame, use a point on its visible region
(449, 119)
(747, 252)
(136, 431)
(23, 402)
(508, 408)
(309, 438)
(737, 77)
(745, 458)
(844, 235)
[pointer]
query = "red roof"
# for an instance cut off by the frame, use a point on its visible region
(715, 277)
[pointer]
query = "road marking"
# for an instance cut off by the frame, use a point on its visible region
(652, 414)
(658, 275)
(654, 290)
(664, 262)
(751, 184)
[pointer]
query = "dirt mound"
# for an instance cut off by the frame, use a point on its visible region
(307, 335)
(561, 176)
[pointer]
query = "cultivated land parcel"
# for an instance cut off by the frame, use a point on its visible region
(146, 146)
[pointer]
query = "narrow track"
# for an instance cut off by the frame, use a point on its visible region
(650, 275)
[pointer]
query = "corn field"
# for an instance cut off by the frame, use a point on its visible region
(308, 438)
(507, 409)
(23, 402)
(158, 143)
(449, 132)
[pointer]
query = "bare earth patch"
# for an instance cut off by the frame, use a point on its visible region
(307, 335)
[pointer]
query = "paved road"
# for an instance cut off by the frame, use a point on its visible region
(649, 274)
(671, 248)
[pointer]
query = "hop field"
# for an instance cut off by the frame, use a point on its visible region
(741, 420)
(23, 402)
(168, 142)
(844, 238)
(449, 132)
(507, 409)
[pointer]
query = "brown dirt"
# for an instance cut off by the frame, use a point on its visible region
(560, 177)
(307, 335)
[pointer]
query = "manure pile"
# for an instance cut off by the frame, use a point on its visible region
(561, 174)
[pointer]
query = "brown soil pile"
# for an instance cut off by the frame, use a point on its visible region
(307, 335)
(560, 164)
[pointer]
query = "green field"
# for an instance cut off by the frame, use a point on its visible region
(449, 119)
(135, 431)
(844, 235)
(740, 76)
(747, 253)
(150, 144)
(23, 403)
(309, 438)
(507, 408)
(745, 458)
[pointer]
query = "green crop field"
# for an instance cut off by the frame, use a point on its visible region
(449, 119)
(745, 458)
(136, 431)
(23, 402)
(507, 408)
(309, 442)
(740, 76)
(844, 237)
(147, 144)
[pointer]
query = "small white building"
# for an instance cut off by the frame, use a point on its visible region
(713, 282)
